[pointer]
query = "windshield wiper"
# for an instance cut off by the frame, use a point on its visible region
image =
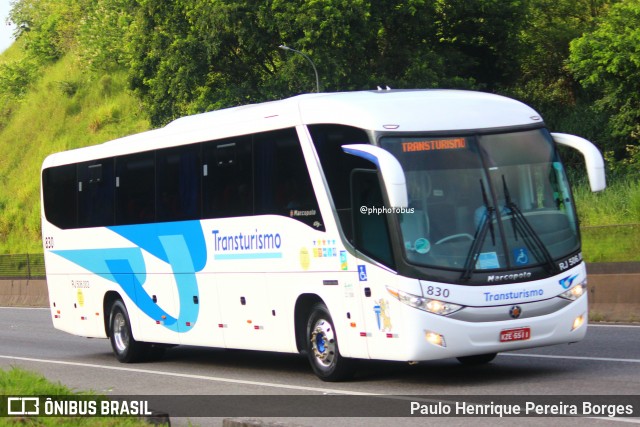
(485, 226)
(532, 240)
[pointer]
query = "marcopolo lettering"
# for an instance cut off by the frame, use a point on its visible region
(514, 276)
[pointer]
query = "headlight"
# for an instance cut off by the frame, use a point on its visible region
(576, 292)
(431, 305)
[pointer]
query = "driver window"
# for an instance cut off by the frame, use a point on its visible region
(370, 231)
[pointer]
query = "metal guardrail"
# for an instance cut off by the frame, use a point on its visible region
(23, 266)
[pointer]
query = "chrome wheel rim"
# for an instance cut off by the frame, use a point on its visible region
(323, 343)
(120, 332)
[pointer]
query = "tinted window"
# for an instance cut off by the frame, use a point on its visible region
(338, 165)
(253, 174)
(178, 183)
(96, 196)
(228, 178)
(59, 195)
(135, 192)
(283, 186)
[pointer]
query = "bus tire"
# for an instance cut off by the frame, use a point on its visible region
(125, 347)
(322, 347)
(478, 359)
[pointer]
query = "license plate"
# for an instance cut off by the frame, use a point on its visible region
(518, 334)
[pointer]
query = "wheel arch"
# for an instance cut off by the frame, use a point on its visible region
(109, 298)
(304, 303)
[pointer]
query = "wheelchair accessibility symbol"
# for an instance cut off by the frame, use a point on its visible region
(521, 256)
(362, 273)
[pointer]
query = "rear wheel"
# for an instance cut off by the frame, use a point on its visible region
(322, 347)
(478, 359)
(125, 347)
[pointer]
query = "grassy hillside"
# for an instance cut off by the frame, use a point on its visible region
(64, 108)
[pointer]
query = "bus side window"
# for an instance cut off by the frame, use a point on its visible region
(282, 182)
(60, 190)
(228, 178)
(95, 193)
(178, 183)
(135, 188)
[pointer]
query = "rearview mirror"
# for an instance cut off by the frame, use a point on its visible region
(394, 182)
(592, 157)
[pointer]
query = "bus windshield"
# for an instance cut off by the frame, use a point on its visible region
(485, 202)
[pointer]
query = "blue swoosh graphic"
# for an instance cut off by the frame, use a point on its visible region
(179, 244)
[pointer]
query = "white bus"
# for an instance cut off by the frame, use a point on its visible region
(404, 225)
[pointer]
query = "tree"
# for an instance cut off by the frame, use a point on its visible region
(607, 61)
(190, 56)
(49, 27)
(544, 47)
(482, 36)
(103, 34)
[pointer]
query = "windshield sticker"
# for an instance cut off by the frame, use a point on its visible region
(487, 260)
(422, 246)
(521, 256)
(436, 144)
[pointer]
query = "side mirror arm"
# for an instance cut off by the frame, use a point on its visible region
(392, 173)
(592, 157)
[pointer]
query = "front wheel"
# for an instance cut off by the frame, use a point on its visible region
(322, 347)
(125, 347)
(479, 359)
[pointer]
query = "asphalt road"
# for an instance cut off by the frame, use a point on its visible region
(607, 362)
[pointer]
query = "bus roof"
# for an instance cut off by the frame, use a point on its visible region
(409, 110)
(381, 110)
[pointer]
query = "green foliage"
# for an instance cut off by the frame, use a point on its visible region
(550, 26)
(16, 77)
(607, 61)
(102, 34)
(610, 220)
(483, 35)
(17, 381)
(201, 56)
(618, 204)
(618, 243)
(65, 108)
(576, 61)
(48, 27)
(545, 82)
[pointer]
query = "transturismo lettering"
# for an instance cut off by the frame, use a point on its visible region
(523, 293)
(246, 241)
(513, 276)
